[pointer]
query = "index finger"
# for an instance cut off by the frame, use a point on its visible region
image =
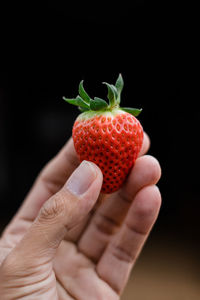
(49, 181)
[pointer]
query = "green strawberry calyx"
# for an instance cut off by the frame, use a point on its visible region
(98, 105)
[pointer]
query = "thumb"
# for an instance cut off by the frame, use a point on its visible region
(62, 212)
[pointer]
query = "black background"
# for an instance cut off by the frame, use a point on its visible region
(46, 51)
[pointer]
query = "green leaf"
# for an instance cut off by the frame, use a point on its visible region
(83, 93)
(82, 103)
(119, 84)
(83, 109)
(78, 101)
(112, 93)
(133, 111)
(98, 104)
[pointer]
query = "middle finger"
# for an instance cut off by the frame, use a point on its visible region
(108, 218)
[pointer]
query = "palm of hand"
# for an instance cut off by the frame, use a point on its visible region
(96, 257)
(77, 277)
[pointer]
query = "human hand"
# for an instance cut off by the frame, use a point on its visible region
(58, 246)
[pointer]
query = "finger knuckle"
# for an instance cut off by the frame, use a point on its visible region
(122, 254)
(54, 207)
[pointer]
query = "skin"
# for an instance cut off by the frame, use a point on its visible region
(63, 246)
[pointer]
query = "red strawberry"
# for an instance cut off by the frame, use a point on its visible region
(107, 134)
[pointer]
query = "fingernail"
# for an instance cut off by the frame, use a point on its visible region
(82, 178)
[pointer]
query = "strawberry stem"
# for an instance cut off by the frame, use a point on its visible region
(133, 111)
(85, 103)
(83, 93)
(112, 94)
(98, 104)
(119, 86)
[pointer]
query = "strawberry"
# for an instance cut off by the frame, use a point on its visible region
(107, 134)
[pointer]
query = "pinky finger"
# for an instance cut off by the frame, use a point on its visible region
(120, 255)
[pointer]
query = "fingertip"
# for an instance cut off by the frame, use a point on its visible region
(145, 208)
(154, 197)
(158, 196)
(148, 167)
(96, 185)
(153, 165)
(145, 145)
(82, 178)
(97, 169)
(146, 171)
